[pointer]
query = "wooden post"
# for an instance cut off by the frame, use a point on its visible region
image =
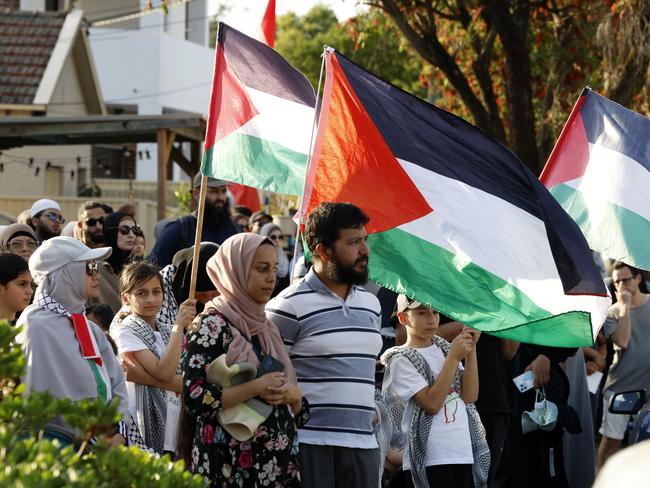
(165, 139)
(197, 238)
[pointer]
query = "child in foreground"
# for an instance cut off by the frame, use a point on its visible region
(435, 395)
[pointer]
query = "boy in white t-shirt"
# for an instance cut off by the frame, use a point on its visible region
(438, 446)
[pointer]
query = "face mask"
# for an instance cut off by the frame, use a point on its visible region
(543, 416)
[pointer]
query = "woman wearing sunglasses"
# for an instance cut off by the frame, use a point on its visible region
(274, 233)
(120, 232)
(15, 286)
(66, 355)
(18, 239)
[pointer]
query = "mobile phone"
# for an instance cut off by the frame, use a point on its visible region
(525, 381)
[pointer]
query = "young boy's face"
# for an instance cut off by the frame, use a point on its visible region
(421, 322)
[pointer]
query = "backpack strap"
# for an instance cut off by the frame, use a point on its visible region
(187, 237)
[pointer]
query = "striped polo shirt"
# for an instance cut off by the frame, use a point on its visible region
(333, 344)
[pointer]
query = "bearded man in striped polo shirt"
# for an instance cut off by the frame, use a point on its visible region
(331, 326)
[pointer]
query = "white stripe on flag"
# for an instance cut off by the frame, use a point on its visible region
(282, 121)
(497, 236)
(614, 177)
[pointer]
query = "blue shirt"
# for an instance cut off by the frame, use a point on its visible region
(171, 238)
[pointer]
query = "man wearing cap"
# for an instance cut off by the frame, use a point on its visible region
(46, 219)
(180, 233)
(66, 355)
(330, 325)
(258, 220)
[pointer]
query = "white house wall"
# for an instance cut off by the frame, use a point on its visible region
(155, 72)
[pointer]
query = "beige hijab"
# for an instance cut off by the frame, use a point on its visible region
(228, 269)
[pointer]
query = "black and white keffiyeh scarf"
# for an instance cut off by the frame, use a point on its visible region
(420, 421)
(151, 402)
(169, 308)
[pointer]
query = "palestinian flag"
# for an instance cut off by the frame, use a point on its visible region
(456, 220)
(260, 119)
(599, 171)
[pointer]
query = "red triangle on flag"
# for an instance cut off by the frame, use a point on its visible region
(352, 162)
(230, 105)
(570, 156)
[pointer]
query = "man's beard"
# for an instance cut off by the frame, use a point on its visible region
(45, 233)
(340, 273)
(215, 216)
(95, 238)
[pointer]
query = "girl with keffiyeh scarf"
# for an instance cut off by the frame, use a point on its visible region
(156, 346)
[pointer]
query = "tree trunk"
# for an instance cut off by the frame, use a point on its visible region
(513, 32)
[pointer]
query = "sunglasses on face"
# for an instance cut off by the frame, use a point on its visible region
(52, 217)
(275, 237)
(125, 229)
(94, 222)
(92, 268)
(16, 245)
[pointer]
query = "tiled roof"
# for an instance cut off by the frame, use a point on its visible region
(27, 40)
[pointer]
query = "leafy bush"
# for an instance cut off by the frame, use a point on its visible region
(28, 460)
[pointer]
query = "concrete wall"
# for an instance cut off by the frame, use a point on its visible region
(19, 179)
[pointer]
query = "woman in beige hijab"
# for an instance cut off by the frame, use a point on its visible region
(234, 327)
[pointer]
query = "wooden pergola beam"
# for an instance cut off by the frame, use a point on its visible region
(165, 139)
(162, 129)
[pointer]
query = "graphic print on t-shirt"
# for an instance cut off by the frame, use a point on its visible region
(450, 406)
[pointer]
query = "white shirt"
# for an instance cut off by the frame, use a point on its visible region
(449, 440)
(127, 341)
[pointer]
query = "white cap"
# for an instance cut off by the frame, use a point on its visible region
(43, 204)
(405, 303)
(56, 252)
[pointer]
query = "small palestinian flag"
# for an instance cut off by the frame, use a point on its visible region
(599, 171)
(260, 119)
(456, 220)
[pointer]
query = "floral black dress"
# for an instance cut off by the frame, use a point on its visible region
(270, 458)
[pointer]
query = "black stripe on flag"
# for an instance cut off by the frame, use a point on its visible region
(443, 143)
(260, 67)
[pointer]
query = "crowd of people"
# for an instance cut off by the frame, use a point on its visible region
(281, 371)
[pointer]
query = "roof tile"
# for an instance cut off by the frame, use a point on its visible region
(27, 40)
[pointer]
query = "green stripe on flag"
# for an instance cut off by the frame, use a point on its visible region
(613, 230)
(256, 162)
(407, 264)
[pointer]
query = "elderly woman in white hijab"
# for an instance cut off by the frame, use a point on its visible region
(67, 355)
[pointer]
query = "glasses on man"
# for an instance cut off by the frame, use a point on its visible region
(92, 268)
(17, 245)
(125, 229)
(94, 222)
(623, 281)
(53, 217)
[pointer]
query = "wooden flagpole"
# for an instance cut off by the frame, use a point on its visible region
(198, 235)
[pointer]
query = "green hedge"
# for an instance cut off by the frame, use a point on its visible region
(28, 460)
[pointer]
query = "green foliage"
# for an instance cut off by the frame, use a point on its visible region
(370, 39)
(28, 460)
(183, 196)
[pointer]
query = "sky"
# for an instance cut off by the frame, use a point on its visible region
(246, 15)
